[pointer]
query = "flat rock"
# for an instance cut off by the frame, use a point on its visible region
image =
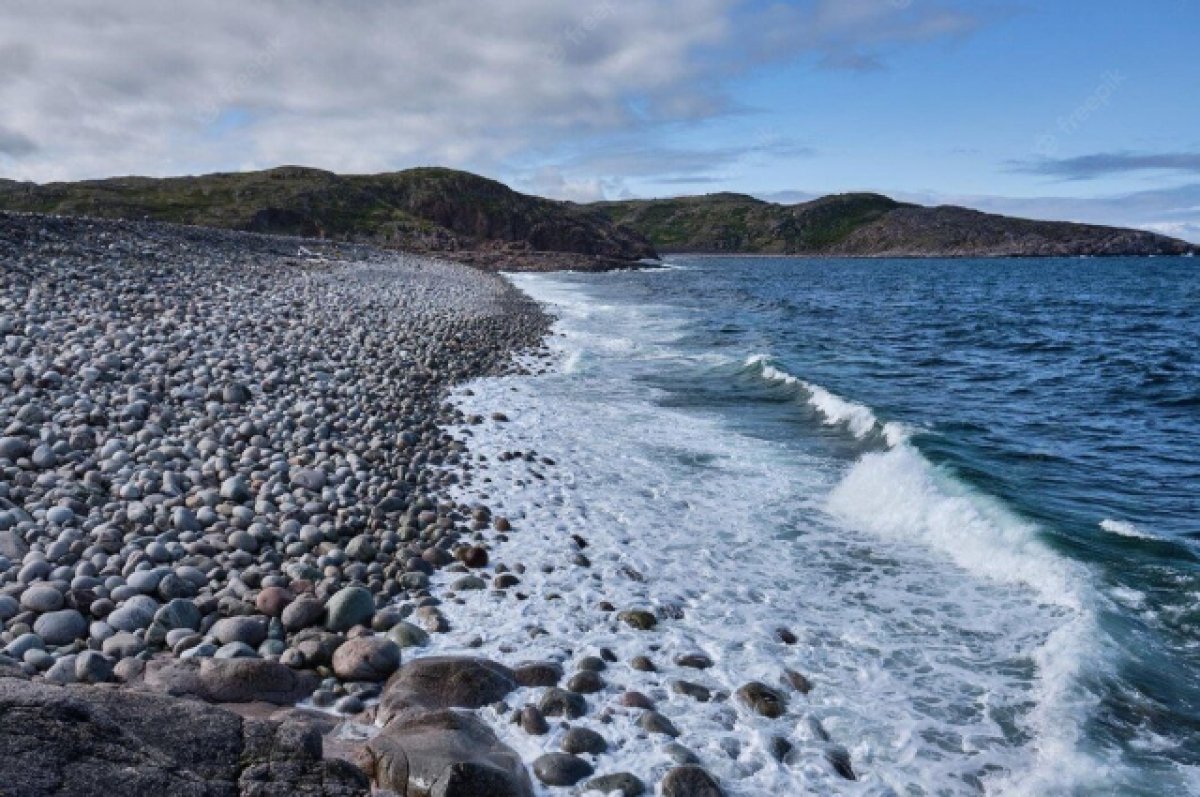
(230, 680)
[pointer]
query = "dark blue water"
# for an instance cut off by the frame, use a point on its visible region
(1067, 392)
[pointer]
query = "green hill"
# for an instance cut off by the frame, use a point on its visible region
(427, 209)
(868, 225)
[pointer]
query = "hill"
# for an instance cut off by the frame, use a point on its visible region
(866, 225)
(426, 209)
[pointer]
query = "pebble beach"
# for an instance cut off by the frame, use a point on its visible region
(231, 478)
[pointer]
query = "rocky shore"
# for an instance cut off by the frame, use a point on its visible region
(229, 532)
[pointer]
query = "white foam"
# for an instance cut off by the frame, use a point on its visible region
(858, 418)
(920, 605)
(1125, 529)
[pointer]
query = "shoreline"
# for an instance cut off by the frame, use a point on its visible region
(227, 495)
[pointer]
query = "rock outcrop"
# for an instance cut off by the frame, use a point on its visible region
(87, 740)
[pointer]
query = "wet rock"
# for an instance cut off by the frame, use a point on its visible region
(561, 703)
(438, 682)
(539, 673)
(640, 619)
(697, 661)
(654, 722)
(690, 781)
(585, 682)
(532, 721)
(561, 769)
(583, 740)
(762, 699)
(624, 783)
(693, 690)
(445, 753)
(839, 758)
(797, 681)
(407, 635)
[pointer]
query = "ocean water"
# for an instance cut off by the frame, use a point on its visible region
(971, 488)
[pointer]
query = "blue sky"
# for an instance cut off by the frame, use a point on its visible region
(1069, 109)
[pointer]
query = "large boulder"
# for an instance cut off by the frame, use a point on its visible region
(230, 680)
(444, 754)
(79, 741)
(439, 682)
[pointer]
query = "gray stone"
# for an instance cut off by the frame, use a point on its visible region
(349, 607)
(42, 598)
(247, 630)
(407, 635)
(93, 668)
(61, 627)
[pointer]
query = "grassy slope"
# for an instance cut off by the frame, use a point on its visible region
(429, 208)
(865, 224)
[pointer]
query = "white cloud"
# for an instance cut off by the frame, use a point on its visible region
(150, 86)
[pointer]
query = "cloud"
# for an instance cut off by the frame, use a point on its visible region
(150, 86)
(14, 144)
(1090, 167)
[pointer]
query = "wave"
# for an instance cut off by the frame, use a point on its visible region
(899, 495)
(859, 419)
(1124, 528)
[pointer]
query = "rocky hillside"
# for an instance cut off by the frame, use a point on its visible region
(427, 210)
(868, 225)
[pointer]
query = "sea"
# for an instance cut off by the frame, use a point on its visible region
(968, 488)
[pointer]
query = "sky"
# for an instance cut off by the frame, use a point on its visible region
(1083, 110)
